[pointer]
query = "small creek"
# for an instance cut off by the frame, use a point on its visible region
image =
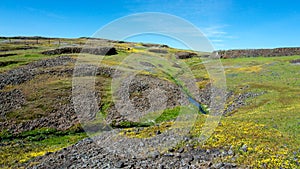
(197, 104)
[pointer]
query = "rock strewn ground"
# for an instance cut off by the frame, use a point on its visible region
(62, 117)
(25, 73)
(143, 94)
(10, 100)
(238, 100)
(88, 154)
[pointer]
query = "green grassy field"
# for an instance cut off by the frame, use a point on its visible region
(269, 124)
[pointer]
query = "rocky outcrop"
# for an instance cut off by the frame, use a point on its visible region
(95, 51)
(185, 55)
(259, 52)
(149, 45)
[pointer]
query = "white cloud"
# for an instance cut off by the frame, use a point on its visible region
(217, 34)
(217, 40)
(214, 31)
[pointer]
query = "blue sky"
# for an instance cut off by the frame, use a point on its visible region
(228, 24)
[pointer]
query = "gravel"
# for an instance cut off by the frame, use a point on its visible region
(88, 154)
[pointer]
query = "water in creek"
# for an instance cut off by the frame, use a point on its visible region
(197, 104)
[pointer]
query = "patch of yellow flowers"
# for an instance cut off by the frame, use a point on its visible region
(265, 148)
(30, 155)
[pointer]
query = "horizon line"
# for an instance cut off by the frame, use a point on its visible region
(88, 37)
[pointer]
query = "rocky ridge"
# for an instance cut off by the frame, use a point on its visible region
(258, 52)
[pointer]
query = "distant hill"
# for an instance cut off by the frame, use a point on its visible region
(287, 51)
